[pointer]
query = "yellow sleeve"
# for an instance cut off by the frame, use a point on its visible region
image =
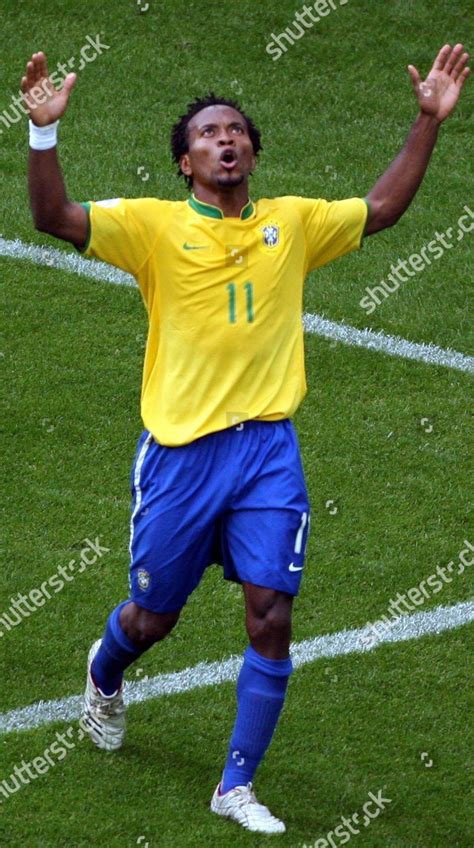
(332, 228)
(123, 232)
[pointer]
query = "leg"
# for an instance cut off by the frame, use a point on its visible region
(268, 620)
(264, 544)
(163, 570)
(130, 631)
(261, 690)
(169, 550)
(262, 682)
(144, 627)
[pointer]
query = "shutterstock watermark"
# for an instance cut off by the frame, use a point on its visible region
(88, 53)
(343, 833)
(29, 770)
(417, 262)
(302, 22)
(24, 605)
(417, 596)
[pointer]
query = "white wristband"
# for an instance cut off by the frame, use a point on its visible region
(43, 138)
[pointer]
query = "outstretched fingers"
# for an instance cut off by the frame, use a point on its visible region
(36, 70)
(463, 77)
(30, 74)
(442, 57)
(460, 67)
(69, 83)
(39, 66)
(453, 58)
(42, 65)
(415, 76)
(450, 60)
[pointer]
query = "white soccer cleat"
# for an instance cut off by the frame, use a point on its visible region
(104, 716)
(241, 805)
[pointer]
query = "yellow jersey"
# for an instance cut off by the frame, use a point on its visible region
(224, 298)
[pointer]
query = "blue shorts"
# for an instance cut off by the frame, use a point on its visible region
(236, 497)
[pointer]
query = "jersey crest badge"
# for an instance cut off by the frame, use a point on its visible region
(271, 235)
(143, 579)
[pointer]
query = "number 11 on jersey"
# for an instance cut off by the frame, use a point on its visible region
(231, 288)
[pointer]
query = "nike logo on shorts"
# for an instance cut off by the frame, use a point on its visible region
(293, 567)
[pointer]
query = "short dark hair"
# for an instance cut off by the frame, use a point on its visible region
(179, 132)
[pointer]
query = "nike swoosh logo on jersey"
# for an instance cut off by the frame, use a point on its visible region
(187, 246)
(293, 567)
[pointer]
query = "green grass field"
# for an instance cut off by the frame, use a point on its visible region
(333, 112)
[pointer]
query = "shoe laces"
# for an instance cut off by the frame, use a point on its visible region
(109, 709)
(108, 706)
(247, 796)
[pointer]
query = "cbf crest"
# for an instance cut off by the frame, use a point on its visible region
(143, 579)
(271, 241)
(271, 235)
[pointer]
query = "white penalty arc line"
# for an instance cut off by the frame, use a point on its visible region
(431, 622)
(369, 339)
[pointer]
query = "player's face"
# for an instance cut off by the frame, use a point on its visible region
(220, 153)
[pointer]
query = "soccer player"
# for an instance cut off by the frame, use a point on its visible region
(217, 476)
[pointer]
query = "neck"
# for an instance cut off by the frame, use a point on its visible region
(230, 200)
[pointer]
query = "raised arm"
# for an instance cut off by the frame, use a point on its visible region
(437, 96)
(52, 212)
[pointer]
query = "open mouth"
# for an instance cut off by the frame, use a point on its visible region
(228, 160)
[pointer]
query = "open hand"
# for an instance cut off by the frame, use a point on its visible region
(45, 103)
(439, 93)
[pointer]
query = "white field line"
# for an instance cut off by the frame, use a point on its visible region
(392, 345)
(369, 339)
(73, 262)
(408, 627)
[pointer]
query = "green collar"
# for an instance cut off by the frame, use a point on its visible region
(211, 211)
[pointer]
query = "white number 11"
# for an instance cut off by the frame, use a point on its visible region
(299, 536)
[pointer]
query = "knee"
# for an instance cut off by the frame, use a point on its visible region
(269, 623)
(144, 627)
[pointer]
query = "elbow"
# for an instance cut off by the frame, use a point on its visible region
(40, 220)
(40, 226)
(382, 216)
(392, 217)
(44, 225)
(46, 217)
(52, 220)
(390, 221)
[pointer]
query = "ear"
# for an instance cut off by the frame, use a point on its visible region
(254, 164)
(185, 165)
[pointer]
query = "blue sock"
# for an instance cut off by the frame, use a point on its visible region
(115, 654)
(261, 690)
